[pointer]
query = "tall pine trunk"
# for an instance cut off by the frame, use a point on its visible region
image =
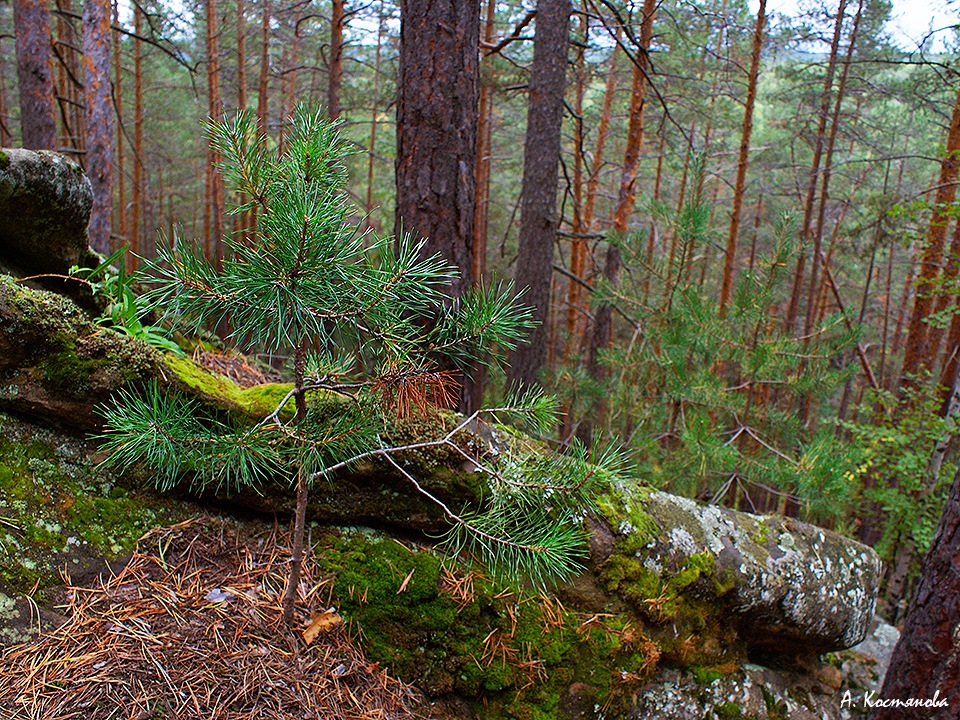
(917, 353)
(924, 662)
(336, 59)
(818, 147)
(541, 157)
(602, 330)
(263, 105)
(99, 119)
(38, 119)
(118, 102)
(137, 190)
(215, 200)
(825, 182)
(375, 98)
(577, 312)
(730, 257)
(437, 128)
(481, 210)
(6, 130)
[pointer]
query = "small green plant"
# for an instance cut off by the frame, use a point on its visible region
(898, 470)
(125, 309)
(373, 335)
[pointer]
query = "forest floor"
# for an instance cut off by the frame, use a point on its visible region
(191, 628)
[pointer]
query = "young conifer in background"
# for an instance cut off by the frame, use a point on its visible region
(369, 326)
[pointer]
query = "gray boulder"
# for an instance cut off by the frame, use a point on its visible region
(790, 590)
(45, 203)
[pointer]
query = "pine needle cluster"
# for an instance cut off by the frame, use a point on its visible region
(366, 318)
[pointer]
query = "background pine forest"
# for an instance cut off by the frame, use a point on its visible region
(800, 361)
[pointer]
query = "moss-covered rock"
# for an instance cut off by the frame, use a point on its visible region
(780, 587)
(45, 203)
(57, 364)
(509, 653)
(61, 518)
(750, 693)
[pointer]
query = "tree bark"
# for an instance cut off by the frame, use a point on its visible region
(336, 59)
(482, 168)
(69, 86)
(576, 313)
(729, 260)
(214, 178)
(6, 131)
(137, 190)
(99, 119)
(541, 157)
(818, 147)
(38, 119)
(626, 196)
(926, 661)
(241, 55)
(825, 183)
(917, 353)
(437, 92)
(118, 103)
(263, 106)
(373, 116)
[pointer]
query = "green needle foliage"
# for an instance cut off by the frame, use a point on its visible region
(367, 320)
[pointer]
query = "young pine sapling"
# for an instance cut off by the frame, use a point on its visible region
(370, 328)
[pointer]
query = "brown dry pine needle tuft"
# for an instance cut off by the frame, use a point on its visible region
(192, 629)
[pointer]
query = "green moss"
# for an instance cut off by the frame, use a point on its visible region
(724, 581)
(515, 654)
(4, 159)
(633, 525)
(761, 533)
(257, 401)
(728, 711)
(696, 565)
(57, 509)
(776, 709)
(66, 370)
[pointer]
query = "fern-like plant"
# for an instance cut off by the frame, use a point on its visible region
(365, 318)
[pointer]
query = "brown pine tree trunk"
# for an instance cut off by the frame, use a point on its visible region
(38, 119)
(652, 235)
(602, 331)
(437, 92)
(579, 254)
(541, 157)
(289, 84)
(925, 661)
(69, 84)
(6, 129)
(99, 119)
(216, 111)
(336, 59)
(729, 260)
(818, 147)
(917, 355)
(241, 55)
(241, 222)
(137, 190)
(481, 210)
(371, 155)
(263, 106)
(825, 183)
(121, 223)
